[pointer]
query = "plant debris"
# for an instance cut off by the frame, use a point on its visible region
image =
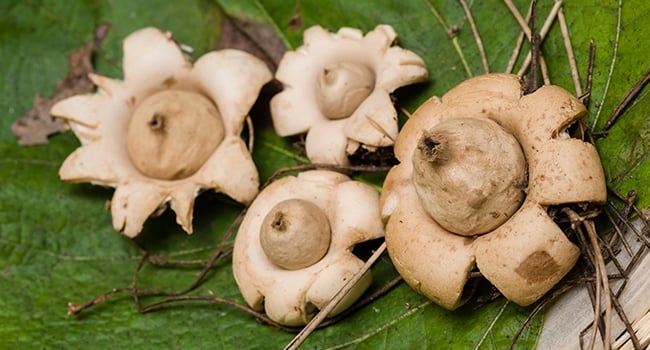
(34, 127)
(578, 222)
(255, 38)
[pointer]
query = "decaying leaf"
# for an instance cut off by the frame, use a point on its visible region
(36, 125)
(255, 38)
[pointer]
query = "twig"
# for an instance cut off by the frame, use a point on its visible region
(531, 82)
(546, 78)
(212, 299)
(520, 40)
(628, 326)
(590, 74)
(523, 24)
(74, 309)
(602, 280)
(536, 310)
(134, 281)
(322, 314)
(363, 302)
(629, 96)
(569, 51)
(477, 36)
(618, 234)
(524, 27)
(628, 225)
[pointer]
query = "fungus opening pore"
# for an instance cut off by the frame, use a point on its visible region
(295, 234)
(432, 146)
(469, 174)
(172, 134)
(342, 87)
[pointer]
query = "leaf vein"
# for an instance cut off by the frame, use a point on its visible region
(490, 327)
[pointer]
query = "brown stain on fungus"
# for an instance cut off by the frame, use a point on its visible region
(169, 82)
(538, 267)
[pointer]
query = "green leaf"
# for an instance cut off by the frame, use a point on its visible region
(56, 241)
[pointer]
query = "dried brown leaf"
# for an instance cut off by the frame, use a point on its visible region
(258, 39)
(36, 125)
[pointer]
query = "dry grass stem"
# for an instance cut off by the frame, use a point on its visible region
(523, 23)
(544, 68)
(520, 40)
(322, 314)
(627, 341)
(569, 51)
(524, 27)
(217, 300)
(363, 302)
(477, 36)
(618, 235)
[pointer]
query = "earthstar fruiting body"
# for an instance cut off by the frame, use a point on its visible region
(290, 295)
(337, 89)
(166, 132)
(295, 234)
(526, 254)
(477, 158)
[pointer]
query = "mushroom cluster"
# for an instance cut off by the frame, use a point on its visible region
(293, 251)
(478, 170)
(168, 131)
(337, 90)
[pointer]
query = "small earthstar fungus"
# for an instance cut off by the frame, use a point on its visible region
(478, 169)
(337, 89)
(293, 251)
(168, 131)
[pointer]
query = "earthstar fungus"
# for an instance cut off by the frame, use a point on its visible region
(463, 196)
(337, 90)
(323, 215)
(168, 131)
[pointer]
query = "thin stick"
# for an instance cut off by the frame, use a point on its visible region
(627, 224)
(74, 309)
(220, 300)
(542, 33)
(590, 74)
(520, 41)
(602, 271)
(535, 43)
(618, 234)
(629, 96)
(363, 302)
(477, 36)
(322, 314)
(134, 281)
(544, 68)
(596, 304)
(536, 310)
(628, 326)
(523, 24)
(602, 280)
(569, 51)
